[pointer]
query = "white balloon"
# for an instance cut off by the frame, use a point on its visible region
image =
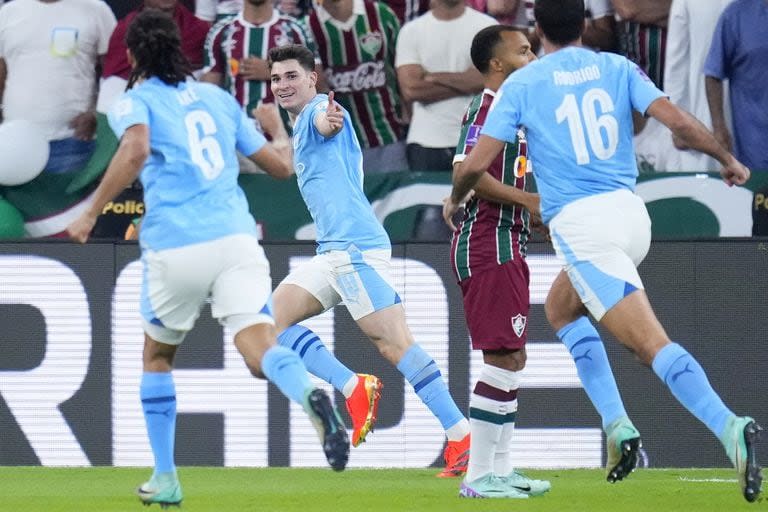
(24, 149)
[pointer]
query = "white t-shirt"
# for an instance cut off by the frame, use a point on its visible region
(51, 51)
(439, 47)
(210, 10)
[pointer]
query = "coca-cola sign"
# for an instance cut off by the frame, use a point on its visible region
(366, 76)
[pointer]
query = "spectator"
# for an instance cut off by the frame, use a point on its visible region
(215, 10)
(689, 34)
(505, 11)
(231, 62)
(363, 79)
(408, 10)
(599, 34)
(642, 37)
(116, 67)
(437, 77)
(739, 54)
(49, 51)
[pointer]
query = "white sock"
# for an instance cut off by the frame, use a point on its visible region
(349, 387)
(490, 406)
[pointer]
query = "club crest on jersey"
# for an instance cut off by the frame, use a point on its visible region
(371, 42)
(518, 324)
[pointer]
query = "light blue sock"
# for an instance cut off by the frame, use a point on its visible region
(423, 374)
(318, 360)
(687, 381)
(588, 352)
(284, 369)
(158, 399)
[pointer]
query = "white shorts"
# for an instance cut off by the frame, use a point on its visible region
(360, 279)
(233, 271)
(600, 240)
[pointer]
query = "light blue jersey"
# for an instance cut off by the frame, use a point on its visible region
(577, 108)
(330, 175)
(190, 178)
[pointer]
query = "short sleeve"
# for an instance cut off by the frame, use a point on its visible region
(720, 51)
(127, 111)
(642, 91)
(106, 22)
(504, 116)
(212, 49)
(407, 51)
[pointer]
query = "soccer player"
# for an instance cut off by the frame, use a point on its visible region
(353, 254)
(181, 137)
(488, 257)
(577, 108)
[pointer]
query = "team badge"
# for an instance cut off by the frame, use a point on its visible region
(371, 42)
(518, 324)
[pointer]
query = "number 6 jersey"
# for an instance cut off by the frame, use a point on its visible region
(190, 178)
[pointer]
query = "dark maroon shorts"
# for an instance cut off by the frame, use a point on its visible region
(496, 304)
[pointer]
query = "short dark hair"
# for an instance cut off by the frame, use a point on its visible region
(562, 21)
(155, 43)
(484, 44)
(302, 54)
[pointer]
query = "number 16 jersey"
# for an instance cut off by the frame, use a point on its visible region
(576, 106)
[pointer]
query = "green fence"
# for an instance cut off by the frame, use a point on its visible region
(681, 205)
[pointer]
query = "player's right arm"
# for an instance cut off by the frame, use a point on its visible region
(696, 136)
(123, 170)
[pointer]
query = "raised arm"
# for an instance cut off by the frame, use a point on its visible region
(330, 122)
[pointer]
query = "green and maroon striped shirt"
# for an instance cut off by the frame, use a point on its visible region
(358, 59)
(233, 39)
(490, 233)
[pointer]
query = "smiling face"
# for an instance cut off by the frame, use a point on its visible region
(292, 85)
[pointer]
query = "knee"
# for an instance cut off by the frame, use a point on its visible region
(391, 351)
(510, 360)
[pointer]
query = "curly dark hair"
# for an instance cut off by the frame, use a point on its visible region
(153, 39)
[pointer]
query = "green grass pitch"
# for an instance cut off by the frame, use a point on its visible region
(103, 489)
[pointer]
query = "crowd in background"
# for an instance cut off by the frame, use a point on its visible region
(400, 67)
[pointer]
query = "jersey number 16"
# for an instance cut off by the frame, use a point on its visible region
(587, 117)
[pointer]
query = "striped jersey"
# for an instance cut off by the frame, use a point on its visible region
(645, 45)
(407, 10)
(358, 58)
(490, 233)
(233, 39)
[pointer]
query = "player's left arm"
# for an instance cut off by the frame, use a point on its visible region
(330, 122)
(696, 136)
(491, 189)
(123, 170)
